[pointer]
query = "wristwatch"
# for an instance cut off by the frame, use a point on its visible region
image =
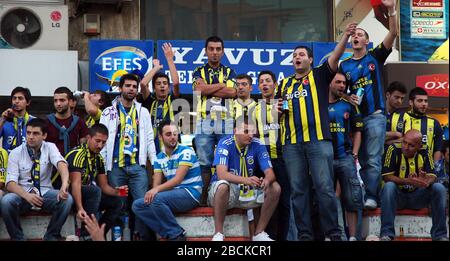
(355, 155)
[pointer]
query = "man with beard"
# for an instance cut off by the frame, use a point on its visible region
(395, 94)
(417, 119)
(65, 129)
(14, 120)
(130, 143)
(363, 72)
(215, 84)
(89, 185)
(178, 165)
(159, 103)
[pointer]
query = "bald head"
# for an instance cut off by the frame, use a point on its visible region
(412, 142)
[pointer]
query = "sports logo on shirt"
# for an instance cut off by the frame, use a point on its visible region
(223, 152)
(346, 115)
(348, 76)
(250, 160)
(305, 81)
(372, 67)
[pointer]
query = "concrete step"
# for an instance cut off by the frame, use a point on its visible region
(34, 225)
(199, 224)
(410, 224)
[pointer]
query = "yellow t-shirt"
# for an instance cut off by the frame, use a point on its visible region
(3, 164)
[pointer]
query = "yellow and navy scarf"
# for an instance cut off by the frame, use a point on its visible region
(19, 130)
(128, 137)
(246, 192)
(35, 169)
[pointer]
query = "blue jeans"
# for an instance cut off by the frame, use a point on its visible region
(345, 172)
(13, 205)
(135, 176)
(371, 152)
(159, 214)
(392, 198)
(207, 135)
(310, 164)
(278, 226)
(94, 202)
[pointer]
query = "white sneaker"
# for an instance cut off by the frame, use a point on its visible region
(353, 239)
(218, 237)
(262, 237)
(370, 204)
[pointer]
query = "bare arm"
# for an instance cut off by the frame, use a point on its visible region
(356, 142)
(208, 89)
(393, 137)
(168, 52)
(75, 185)
(145, 90)
(89, 106)
(333, 60)
(64, 173)
(388, 41)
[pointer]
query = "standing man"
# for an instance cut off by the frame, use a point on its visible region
(14, 120)
(346, 125)
(306, 138)
(89, 185)
(3, 166)
(29, 183)
(130, 143)
(418, 119)
(178, 165)
(235, 185)
(65, 129)
(215, 83)
(244, 104)
(159, 103)
(395, 94)
(364, 76)
(269, 133)
(409, 178)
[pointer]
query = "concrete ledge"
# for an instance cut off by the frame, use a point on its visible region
(34, 225)
(410, 224)
(199, 224)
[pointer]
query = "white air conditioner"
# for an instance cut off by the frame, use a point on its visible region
(38, 27)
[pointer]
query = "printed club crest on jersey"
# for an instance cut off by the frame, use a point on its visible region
(372, 67)
(346, 115)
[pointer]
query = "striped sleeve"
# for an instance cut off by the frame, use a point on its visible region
(389, 161)
(221, 156)
(3, 165)
(187, 158)
(428, 163)
(75, 161)
(157, 167)
(196, 75)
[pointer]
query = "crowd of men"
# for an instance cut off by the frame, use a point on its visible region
(289, 156)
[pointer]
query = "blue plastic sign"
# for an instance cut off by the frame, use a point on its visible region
(110, 59)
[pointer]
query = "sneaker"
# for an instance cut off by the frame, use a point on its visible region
(262, 237)
(353, 239)
(218, 237)
(370, 204)
(327, 239)
(372, 238)
(181, 237)
(385, 238)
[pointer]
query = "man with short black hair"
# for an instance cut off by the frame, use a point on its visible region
(417, 118)
(395, 94)
(178, 165)
(243, 104)
(14, 120)
(89, 185)
(216, 84)
(29, 183)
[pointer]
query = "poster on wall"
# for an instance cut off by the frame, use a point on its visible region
(427, 19)
(424, 30)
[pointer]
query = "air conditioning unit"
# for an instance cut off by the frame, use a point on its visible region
(38, 27)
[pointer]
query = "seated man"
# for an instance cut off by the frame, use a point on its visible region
(409, 178)
(181, 191)
(29, 183)
(89, 184)
(234, 184)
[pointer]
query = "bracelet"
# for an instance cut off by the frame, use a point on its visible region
(393, 14)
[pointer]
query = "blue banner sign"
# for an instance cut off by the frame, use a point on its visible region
(110, 59)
